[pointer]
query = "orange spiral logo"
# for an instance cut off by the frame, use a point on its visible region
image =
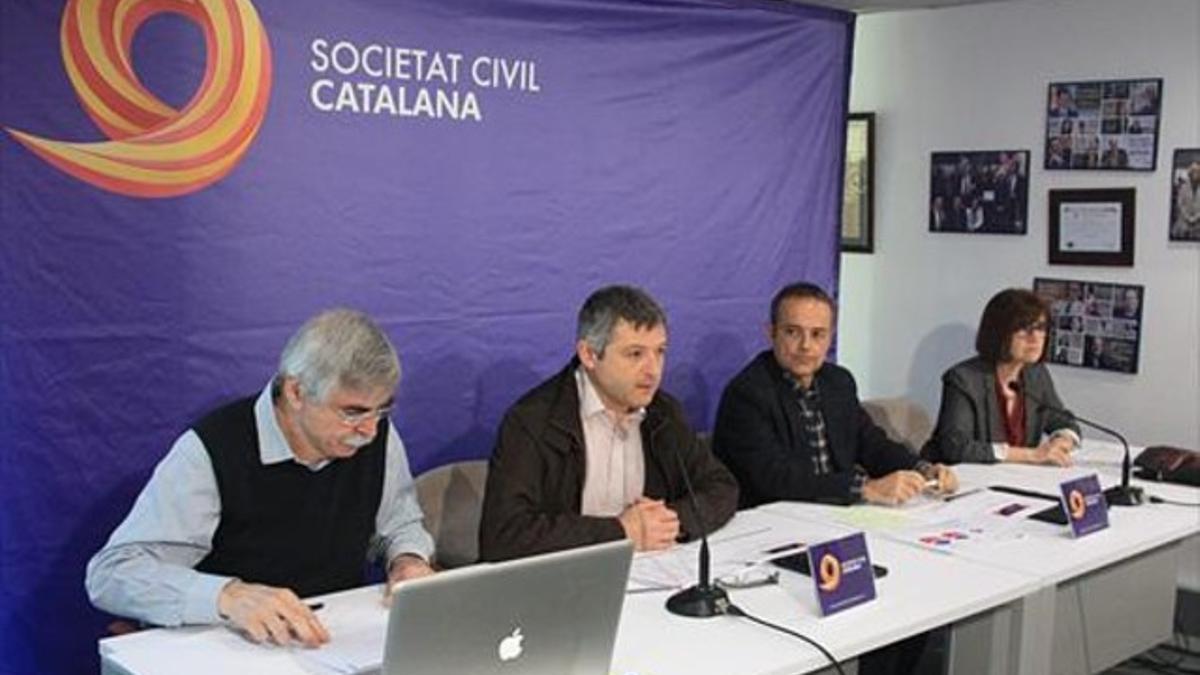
(156, 150)
(1077, 504)
(830, 572)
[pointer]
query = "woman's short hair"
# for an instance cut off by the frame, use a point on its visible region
(1008, 311)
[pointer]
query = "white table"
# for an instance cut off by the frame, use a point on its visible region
(1098, 600)
(922, 591)
(1107, 596)
(1040, 604)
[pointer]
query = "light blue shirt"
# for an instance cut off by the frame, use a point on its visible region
(145, 571)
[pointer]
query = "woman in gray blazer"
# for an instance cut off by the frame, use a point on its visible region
(1000, 406)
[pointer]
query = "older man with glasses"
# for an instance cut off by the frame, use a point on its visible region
(275, 497)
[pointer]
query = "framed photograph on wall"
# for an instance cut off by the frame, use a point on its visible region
(1185, 195)
(1093, 325)
(858, 190)
(1103, 125)
(1092, 227)
(985, 192)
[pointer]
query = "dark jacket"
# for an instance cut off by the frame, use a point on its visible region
(969, 419)
(759, 436)
(535, 478)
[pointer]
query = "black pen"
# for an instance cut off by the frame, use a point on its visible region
(784, 548)
(315, 606)
(1022, 493)
(950, 498)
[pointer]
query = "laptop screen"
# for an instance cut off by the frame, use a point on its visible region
(553, 614)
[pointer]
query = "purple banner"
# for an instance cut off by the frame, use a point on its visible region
(1085, 505)
(842, 573)
(183, 184)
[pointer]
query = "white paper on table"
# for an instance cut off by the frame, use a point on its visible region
(200, 651)
(357, 632)
(973, 520)
(347, 654)
(731, 548)
(662, 570)
(1090, 227)
(879, 519)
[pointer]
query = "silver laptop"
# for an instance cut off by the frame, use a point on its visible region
(553, 614)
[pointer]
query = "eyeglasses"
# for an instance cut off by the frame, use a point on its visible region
(1031, 328)
(353, 417)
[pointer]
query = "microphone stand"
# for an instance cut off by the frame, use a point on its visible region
(704, 599)
(1118, 495)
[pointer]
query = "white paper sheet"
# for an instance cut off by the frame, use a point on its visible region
(731, 549)
(975, 520)
(1090, 227)
(357, 631)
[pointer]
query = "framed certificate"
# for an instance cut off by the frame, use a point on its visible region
(1092, 227)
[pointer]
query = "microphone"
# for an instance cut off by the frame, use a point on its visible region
(1119, 495)
(704, 599)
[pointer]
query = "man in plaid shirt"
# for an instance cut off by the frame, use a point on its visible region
(790, 426)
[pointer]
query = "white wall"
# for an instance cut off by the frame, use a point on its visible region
(975, 77)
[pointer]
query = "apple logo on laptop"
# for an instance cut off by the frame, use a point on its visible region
(510, 646)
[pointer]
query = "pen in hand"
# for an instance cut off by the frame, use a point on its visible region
(950, 498)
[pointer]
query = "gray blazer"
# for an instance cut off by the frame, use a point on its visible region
(970, 421)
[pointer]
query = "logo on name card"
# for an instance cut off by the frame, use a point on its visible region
(1076, 504)
(153, 150)
(1084, 502)
(844, 577)
(831, 573)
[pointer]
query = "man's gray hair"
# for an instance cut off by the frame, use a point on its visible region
(600, 312)
(339, 348)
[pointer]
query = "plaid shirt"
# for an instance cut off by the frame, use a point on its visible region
(815, 437)
(812, 424)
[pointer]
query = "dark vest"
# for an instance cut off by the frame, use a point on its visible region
(282, 524)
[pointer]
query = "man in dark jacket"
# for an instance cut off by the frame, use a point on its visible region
(597, 452)
(790, 426)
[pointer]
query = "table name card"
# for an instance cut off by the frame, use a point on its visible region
(842, 573)
(1084, 503)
